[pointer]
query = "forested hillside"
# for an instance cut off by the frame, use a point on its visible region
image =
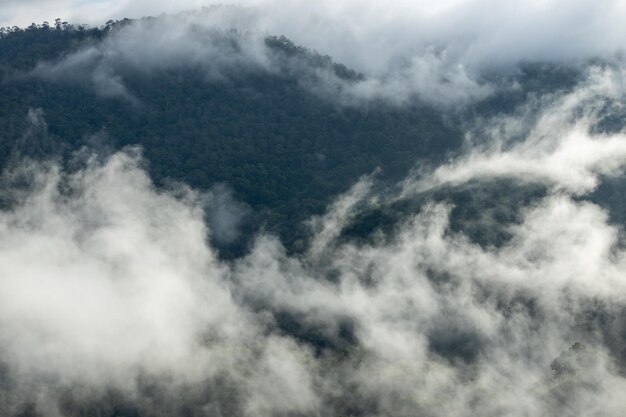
(284, 149)
(200, 217)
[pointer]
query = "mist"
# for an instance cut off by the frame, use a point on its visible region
(552, 140)
(113, 297)
(116, 297)
(441, 54)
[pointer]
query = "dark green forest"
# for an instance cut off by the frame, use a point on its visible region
(285, 151)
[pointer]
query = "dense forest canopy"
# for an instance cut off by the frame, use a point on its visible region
(285, 151)
(284, 146)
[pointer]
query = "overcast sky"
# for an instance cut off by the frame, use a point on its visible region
(24, 12)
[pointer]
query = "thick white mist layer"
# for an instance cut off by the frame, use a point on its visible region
(105, 280)
(116, 280)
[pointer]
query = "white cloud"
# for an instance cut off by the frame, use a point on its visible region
(111, 281)
(115, 281)
(107, 282)
(559, 149)
(404, 48)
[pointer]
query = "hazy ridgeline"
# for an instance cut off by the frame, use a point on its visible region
(200, 218)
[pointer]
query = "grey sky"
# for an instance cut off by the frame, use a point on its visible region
(24, 12)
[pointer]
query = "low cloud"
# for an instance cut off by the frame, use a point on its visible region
(111, 296)
(111, 280)
(224, 214)
(439, 53)
(225, 41)
(551, 140)
(148, 46)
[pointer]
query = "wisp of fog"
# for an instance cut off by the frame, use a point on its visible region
(438, 51)
(110, 292)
